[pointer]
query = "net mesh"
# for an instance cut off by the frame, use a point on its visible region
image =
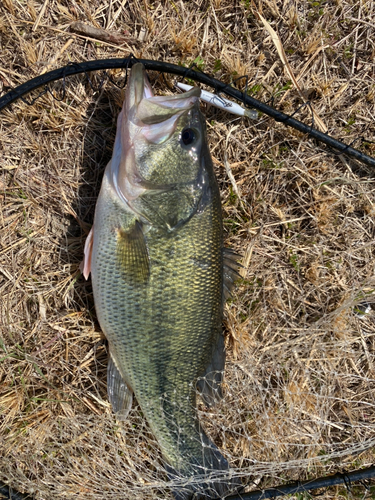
(299, 328)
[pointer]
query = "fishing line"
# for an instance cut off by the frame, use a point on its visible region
(164, 67)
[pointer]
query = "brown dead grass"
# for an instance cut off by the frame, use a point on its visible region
(300, 375)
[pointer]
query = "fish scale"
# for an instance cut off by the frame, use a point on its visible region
(158, 266)
(175, 325)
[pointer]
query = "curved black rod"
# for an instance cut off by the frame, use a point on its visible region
(73, 69)
(312, 484)
(76, 68)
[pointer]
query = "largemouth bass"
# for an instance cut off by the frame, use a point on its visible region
(159, 276)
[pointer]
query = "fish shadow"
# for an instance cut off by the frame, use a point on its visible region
(99, 135)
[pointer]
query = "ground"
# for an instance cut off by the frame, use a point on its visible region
(299, 399)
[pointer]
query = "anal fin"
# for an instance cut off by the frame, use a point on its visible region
(119, 393)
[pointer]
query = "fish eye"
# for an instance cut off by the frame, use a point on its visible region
(188, 136)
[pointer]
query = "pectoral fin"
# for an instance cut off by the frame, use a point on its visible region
(132, 254)
(119, 393)
(85, 266)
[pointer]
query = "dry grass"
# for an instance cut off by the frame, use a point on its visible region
(300, 375)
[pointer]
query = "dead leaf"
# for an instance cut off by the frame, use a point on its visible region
(280, 49)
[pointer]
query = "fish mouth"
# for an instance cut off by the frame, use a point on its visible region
(148, 109)
(138, 86)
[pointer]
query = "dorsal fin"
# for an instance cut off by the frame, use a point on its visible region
(209, 384)
(231, 268)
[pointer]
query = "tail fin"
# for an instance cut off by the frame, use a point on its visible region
(207, 478)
